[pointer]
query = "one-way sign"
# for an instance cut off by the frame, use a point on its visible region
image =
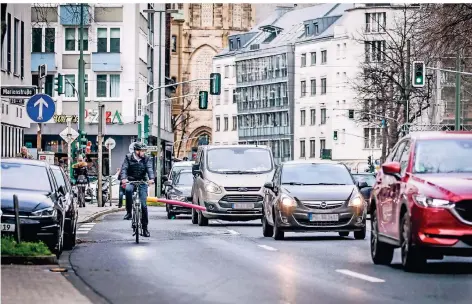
(18, 91)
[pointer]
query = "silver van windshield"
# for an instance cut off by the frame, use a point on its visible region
(239, 160)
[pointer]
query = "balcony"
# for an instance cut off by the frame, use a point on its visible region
(263, 131)
(106, 62)
(43, 58)
(70, 15)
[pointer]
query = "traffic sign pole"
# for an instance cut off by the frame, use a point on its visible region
(110, 143)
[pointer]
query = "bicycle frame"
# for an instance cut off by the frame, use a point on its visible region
(136, 222)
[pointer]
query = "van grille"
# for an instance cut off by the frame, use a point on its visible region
(242, 189)
(464, 208)
(241, 198)
(323, 205)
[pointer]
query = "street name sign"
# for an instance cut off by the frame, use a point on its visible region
(18, 91)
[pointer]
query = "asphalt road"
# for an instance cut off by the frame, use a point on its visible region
(233, 263)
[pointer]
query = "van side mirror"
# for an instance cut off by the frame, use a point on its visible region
(362, 185)
(196, 169)
(168, 183)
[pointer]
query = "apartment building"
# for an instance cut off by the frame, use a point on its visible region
(15, 66)
(121, 53)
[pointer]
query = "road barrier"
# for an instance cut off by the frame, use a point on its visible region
(151, 199)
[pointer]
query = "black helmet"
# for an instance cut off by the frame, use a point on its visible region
(139, 146)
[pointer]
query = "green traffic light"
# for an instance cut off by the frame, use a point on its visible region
(203, 100)
(215, 84)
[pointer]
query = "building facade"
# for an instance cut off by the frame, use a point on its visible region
(121, 53)
(203, 34)
(15, 66)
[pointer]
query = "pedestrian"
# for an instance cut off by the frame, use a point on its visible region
(24, 153)
(122, 189)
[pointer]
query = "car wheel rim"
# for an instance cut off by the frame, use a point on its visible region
(373, 236)
(405, 240)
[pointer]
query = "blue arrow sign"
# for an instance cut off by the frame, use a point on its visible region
(40, 108)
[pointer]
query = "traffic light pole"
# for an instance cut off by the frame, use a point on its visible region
(81, 75)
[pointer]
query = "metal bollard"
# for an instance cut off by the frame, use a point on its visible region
(17, 218)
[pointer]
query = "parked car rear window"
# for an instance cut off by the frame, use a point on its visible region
(242, 159)
(25, 177)
(443, 156)
(311, 173)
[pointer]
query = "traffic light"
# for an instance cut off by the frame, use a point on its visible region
(59, 84)
(203, 100)
(335, 135)
(146, 128)
(418, 74)
(351, 114)
(370, 164)
(83, 141)
(215, 84)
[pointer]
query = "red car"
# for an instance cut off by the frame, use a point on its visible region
(422, 200)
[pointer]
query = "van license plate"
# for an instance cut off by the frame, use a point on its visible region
(8, 227)
(243, 206)
(324, 217)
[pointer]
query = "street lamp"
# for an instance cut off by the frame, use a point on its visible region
(158, 162)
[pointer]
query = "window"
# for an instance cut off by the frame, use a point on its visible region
(302, 148)
(313, 87)
(86, 86)
(322, 144)
(22, 46)
(375, 51)
(303, 88)
(16, 46)
(226, 96)
(217, 124)
(307, 30)
(49, 40)
(114, 40)
(102, 40)
(68, 80)
(323, 116)
(108, 85)
(36, 40)
(324, 57)
(70, 38)
(351, 114)
(235, 123)
(405, 158)
(338, 51)
(313, 58)
(312, 148)
(316, 30)
(226, 71)
(234, 96)
(303, 62)
(302, 117)
(174, 43)
(312, 117)
(372, 138)
(323, 86)
(344, 50)
(8, 37)
(226, 124)
(375, 22)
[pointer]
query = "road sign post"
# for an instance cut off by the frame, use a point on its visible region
(69, 135)
(110, 143)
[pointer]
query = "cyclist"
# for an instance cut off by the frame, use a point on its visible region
(135, 167)
(80, 174)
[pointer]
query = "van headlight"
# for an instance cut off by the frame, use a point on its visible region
(425, 201)
(356, 201)
(212, 187)
(48, 212)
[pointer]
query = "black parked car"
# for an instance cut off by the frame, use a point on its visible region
(313, 196)
(71, 207)
(180, 189)
(42, 201)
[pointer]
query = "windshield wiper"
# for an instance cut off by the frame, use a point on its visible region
(294, 184)
(326, 184)
(239, 172)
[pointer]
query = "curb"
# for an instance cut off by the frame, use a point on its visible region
(31, 260)
(98, 214)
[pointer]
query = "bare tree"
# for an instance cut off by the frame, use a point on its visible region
(383, 85)
(182, 121)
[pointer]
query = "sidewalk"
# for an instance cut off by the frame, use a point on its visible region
(92, 211)
(36, 284)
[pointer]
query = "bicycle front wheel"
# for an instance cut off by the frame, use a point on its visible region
(138, 223)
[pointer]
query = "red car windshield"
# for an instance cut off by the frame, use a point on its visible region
(443, 156)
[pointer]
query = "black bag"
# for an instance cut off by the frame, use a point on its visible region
(82, 179)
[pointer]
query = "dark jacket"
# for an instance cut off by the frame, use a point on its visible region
(79, 169)
(133, 170)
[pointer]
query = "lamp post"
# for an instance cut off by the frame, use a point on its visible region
(158, 165)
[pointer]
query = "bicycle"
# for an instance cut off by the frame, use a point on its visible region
(136, 224)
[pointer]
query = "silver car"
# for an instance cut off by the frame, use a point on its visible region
(229, 182)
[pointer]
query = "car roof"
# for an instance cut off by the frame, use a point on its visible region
(183, 164)
(312, 161)
(25, 161)
(431, 135)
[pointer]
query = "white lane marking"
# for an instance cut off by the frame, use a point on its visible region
(88, 224)
(233, 232)
(360, 276)
(82, 232)
(267, 247)
(84, 229)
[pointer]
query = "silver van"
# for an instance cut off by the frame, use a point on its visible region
(229, 182)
